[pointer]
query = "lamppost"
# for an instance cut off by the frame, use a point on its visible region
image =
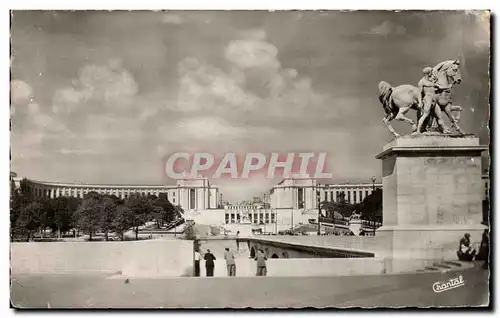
(373, 182)
(318, 200)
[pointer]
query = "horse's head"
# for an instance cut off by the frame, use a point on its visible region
(450, 70)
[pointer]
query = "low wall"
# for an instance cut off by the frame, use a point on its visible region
(314, 246)
(139, 258)
(303, 267)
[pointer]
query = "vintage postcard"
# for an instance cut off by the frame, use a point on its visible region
(250, 159)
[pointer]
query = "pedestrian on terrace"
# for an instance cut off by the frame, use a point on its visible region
(261, 263)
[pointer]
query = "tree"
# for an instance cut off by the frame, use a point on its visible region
(371, 207)
(29, 218)
(166, 211)
(25, 189)
(15, 207)
(190, 232)
(141, 208)
(88, 214)
(122, 220)
(47, 214)
(107, 214)
(342, 207)
(64, 213)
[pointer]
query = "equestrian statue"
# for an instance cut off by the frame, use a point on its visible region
(430, 99)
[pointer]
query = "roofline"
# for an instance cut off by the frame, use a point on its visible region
(118, 186)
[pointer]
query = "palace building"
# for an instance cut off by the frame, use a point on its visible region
(189, 193)
(301, 193)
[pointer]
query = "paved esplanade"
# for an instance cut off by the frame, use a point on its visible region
(73, 291)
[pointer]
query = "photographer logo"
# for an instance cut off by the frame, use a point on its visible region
(452, 283)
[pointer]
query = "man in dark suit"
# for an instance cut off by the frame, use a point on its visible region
(209, 263)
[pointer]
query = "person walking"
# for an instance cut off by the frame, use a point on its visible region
(237, 241)
(209, 263)
(261, 263)
(197, 257)
(230, 263)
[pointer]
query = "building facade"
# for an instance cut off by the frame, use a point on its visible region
(301, 193)
(249, 213)
(190, 194)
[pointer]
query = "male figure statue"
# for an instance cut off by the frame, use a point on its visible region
(427, 99)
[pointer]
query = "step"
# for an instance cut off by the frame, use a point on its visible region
(438, 265)
(431, 268)
(458, 264)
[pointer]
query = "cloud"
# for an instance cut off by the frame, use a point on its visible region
(170, 18)
(252, 54)
(387, 28)
(256, 34)
(65, 151)
(202, 128)
(482, 46)
(21, 92)
(253, 89)
(110, 127)
(30, 126)
(98, 86)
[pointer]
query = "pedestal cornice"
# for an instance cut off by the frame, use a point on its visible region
(433, 145)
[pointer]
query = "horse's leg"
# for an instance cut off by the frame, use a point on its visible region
(456, 110)
(440, 121)
(454, 122)
(387, 119)
(425, 113)
(401, 117)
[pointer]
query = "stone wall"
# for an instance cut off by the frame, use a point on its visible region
(302, 267)
(140, 258)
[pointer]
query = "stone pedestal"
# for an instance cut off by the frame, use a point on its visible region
(432, 196)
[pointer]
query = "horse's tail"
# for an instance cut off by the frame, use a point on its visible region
(384, 95)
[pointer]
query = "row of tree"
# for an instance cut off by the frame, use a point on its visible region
(370, 208)
(95, 213)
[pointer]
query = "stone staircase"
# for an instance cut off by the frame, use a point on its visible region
(447, 266)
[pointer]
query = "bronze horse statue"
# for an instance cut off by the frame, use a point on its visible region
(397, 101)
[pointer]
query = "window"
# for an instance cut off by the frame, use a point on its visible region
(192, 199)
(355, 196)
(227, 218)
(273, 217)
(348, 196)
(238, 217)
(267, 218)
(300, 198)
(173, 194)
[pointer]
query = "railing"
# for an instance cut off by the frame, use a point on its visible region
(175, 224)
(345, 222)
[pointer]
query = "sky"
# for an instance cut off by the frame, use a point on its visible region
(105, 97)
